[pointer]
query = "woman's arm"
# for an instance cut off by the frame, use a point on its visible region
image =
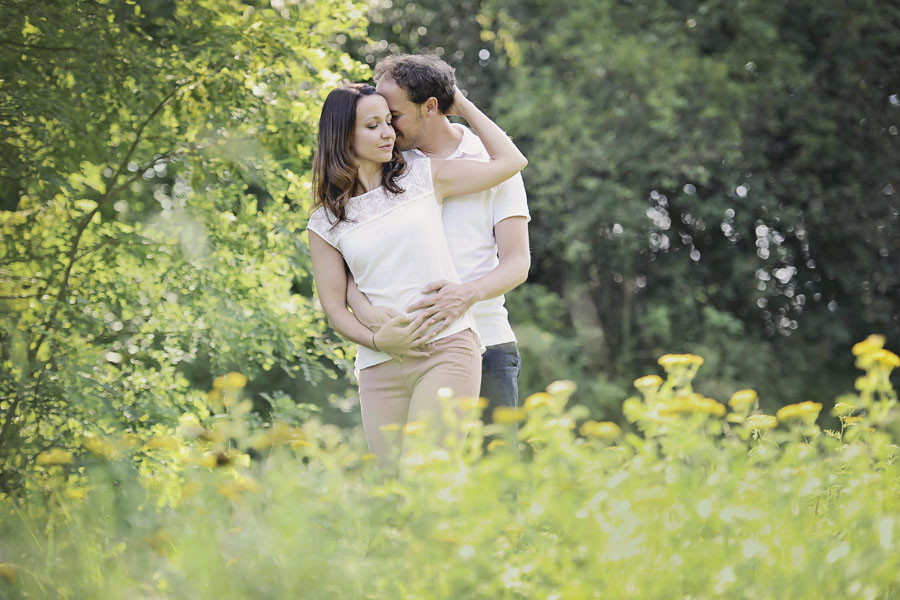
(371, 316)
(396, 337)
(463, 176)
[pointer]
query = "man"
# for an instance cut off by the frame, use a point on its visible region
(487, 232)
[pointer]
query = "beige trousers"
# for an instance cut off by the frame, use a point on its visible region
(399, 391)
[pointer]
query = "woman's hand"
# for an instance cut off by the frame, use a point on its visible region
(460, 104)
(374, 317)
(405, 335)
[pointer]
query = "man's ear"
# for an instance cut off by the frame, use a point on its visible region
(431, 106)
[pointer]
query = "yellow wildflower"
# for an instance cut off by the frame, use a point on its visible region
(230, 381)
(505, 414)
(851, 420)
(232, 489)
(55, 456)
(100, 447)
(535, 400)
(190, 489)
(742, 399)
(162, 442)
(471, 402)
(494, 444)
(805, 411)
(870, 344)
(843, 409)
(75, 493)
(761, 421)
(131, 440)
(278, 434)
(692, 404)
(563, 387)
(606, 430)
(885, 358)
(206, 459)
(414, 427)
(215, 397)
(668, 361)
(648, 382)
(9, 572)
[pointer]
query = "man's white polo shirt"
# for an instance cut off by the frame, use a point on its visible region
(469, 227)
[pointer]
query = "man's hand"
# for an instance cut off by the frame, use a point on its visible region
(404, 335)
(444, 303)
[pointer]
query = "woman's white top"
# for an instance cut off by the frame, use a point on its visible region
(394, 245)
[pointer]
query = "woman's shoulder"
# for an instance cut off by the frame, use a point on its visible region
(417, 173)
(322, 221)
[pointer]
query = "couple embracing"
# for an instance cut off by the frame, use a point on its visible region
(419, 227)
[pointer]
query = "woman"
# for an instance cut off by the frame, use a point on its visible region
(382, 218)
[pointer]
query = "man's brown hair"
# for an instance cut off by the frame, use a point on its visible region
(421, 76)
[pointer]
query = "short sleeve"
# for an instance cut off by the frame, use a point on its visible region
(322, 226)
(510, 200)
(419, 179)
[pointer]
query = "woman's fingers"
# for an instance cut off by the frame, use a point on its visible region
(418, 353)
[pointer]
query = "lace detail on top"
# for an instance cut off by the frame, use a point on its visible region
(416, 182)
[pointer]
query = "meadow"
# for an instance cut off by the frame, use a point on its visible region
(698, 498)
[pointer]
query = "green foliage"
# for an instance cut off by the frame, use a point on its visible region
(155, 187)
(731, 169)
(745, 506)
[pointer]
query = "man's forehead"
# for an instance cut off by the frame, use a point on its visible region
(393, 92)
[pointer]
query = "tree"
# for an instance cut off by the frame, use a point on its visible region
(732, 169)
(155, 184)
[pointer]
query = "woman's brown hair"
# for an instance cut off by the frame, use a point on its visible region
(334, 166)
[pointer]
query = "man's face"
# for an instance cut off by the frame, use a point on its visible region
(409, 121)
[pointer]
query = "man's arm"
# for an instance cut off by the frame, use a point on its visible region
(446, 301)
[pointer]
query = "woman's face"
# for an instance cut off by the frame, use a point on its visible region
(373, 136)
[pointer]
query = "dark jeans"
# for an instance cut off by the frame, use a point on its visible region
(500, 366)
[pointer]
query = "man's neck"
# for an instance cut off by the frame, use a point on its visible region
(442, 141)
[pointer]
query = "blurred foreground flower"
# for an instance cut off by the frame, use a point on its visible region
(692, 404)
(667, 361)
(504, 414)
(230, 381)
(9, 572)
(843, 409)
(648, 382)
(162, 442)
(563, 387)
(101, 447)
(807, 412)
(606, 430)
(55, 456)
(761, 422)
(870, 344)
(885, 359)
(414, 427)
(742, 400)
(235, 488)
(494, 444)
(75, 493)
(536, 400)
